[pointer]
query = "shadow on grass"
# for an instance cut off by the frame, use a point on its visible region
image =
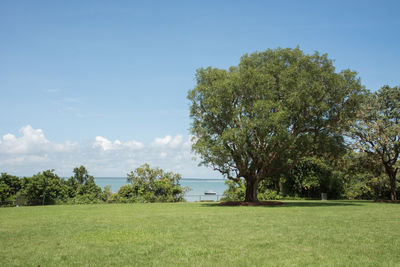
(320, 204)
(303, 203)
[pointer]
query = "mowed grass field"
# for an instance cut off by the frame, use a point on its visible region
(300, 233)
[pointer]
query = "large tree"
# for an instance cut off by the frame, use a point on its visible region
(377, 130)
(260, 118)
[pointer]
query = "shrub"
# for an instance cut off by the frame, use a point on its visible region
(151, 185)
(9, 186)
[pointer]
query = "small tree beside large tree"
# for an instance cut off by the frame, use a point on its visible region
(377, 130)
(259, 119)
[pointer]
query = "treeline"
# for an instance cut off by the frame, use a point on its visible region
(354, 175)
(145, 185)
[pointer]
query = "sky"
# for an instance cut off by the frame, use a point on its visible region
(104, 83)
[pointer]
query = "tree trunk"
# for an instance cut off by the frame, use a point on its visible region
(392, 179)
(393, 187)
(251, 190)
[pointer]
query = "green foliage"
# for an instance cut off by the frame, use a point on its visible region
(236, 191)
(9, 186)
(377, 131)
(147, 185)
(81, 183)
(125, 194)
(44, 188)
(81, 175)
(107, 192)
(313, 176)
(258, 120)
(152, 185)
(126, 191)
(84, 189)
(365, 177)
(48, 188)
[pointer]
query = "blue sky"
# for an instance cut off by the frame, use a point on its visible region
(104, 83)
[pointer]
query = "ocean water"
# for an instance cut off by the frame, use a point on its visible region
(196, 186)
(199, 186)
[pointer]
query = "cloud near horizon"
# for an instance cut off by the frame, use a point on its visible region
(32, 152)
(106, 144)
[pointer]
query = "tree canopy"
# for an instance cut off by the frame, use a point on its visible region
(259, 119)
(377, 130)
(153, 184)
(9, 186)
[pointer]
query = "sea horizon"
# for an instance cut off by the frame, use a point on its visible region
(185, 178)
(197, 186)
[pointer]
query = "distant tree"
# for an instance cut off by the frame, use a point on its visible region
(377, 130)
(259, 119)
(9, 186)
(77, 182)
(43, 188)
(153, 184)
(107, 192)
(81, 175)
(86, 190)
(126, 191)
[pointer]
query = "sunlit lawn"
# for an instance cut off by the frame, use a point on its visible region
(193, 234)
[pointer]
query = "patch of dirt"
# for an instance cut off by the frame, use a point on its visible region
(387, 201)
(243, 203)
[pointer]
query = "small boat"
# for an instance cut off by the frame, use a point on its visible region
(210, 192)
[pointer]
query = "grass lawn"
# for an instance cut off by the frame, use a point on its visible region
(353, 233)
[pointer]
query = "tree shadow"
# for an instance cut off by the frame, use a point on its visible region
(290, 204)
(320, 204)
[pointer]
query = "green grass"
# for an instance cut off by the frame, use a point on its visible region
(300, 233)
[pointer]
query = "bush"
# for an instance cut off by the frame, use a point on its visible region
(9, 187)
(44, 188)
(151, 185)
(236, 191)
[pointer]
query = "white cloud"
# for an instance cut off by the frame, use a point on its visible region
(32, 141)
(23, 159)
(168, 141)
(133, 144)
(32, 152)
(106, 144)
